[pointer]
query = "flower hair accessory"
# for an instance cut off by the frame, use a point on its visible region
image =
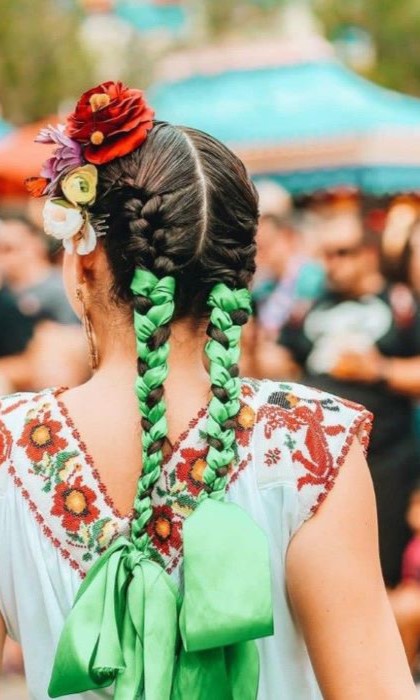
(109, 121)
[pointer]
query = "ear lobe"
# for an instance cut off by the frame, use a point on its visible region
(86, 264)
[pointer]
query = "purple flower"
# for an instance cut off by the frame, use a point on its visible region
(66, 157)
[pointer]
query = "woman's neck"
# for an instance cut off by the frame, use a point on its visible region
(118, 360)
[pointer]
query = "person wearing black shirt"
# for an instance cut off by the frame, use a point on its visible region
(345, 344)
(16, 328)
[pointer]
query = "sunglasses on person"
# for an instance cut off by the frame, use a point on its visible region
(342, 252)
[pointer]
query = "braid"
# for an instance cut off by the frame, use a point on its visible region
(153, 310)
(230, 311)
(148, 237)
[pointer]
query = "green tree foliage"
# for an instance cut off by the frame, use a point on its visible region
(238, 16)
(395, 28)
(41, 60)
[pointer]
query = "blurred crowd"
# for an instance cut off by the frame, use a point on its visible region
(336, 305)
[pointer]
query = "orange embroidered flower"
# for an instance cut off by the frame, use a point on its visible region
(42, 436)
(164, 529)
(74, 504)
(191, 469)
(110, 121)
(245, 421)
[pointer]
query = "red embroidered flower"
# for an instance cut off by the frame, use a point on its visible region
(245, 421)
(5, 443)
(74, 504)
(164, 530)
(110, 121)
(246, 390)
(191, 470)
(42, 436)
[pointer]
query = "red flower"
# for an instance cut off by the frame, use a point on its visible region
(245, 421)
(5, 443)
(164, 530)
(191, 470)
(110, 121)
(74, 504)
(42, 436)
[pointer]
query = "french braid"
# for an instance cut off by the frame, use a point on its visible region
(153, 310)
(174, 211)
(230, 311)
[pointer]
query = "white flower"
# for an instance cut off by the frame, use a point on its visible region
(60, 221)
(83, 242)
(68, 224)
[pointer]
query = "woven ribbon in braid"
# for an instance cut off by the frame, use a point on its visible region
(227, 599)
(124, 624)
(123, 627)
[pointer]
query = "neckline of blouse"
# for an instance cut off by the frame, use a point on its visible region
(96, 475)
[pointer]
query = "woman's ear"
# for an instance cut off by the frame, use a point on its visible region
(86, 266)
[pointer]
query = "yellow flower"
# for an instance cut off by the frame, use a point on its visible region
(79, 186)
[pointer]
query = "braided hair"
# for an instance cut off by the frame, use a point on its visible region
(181, 218)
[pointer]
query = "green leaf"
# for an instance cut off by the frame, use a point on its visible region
(97, 527)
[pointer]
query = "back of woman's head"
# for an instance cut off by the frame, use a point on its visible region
(181, 205)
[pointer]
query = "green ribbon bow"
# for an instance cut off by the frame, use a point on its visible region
(122, 628)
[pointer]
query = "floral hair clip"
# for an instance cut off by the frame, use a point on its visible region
(109, 121)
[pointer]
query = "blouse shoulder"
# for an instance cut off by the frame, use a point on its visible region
(14, 409)
(302, 437)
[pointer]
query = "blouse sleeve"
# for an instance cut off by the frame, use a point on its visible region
(302, 438)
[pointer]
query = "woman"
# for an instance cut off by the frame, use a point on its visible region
(215, 552)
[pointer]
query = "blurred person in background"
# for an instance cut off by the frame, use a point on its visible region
(285, 272)
(42, 314)
(286, 275)
(405, 598)
(26, 269)
(352, 342)
(16, 333)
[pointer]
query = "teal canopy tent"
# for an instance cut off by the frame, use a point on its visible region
(148, 15)
(312, 125)
(5, 128)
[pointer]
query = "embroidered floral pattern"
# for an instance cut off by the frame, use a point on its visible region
(41, 437)
(5, 443)
(165, 529)
(191, 469)
(301, 438)
(245, 422)
(71, 502)
(307, 437)
(74, 504)
(61, 474)
(272, 456)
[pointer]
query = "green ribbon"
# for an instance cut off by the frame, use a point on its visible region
(226, 603)
(128, 624)
(122, 628)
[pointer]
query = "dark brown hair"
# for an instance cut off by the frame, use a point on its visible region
(182, 205)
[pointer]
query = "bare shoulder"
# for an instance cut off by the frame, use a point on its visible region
(338, 595)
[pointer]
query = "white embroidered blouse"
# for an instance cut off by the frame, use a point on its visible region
(56, 516)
